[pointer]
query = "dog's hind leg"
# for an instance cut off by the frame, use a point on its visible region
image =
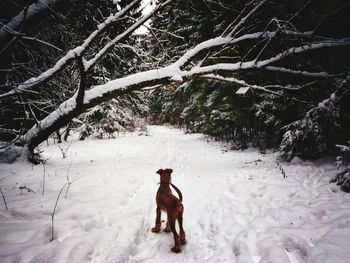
(182, 232)
(156, 229)
(167, 228)
(171, 219)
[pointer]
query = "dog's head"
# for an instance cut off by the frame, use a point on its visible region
(165, 175)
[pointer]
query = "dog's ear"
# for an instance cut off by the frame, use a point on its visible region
(160, 171)
(169, 170)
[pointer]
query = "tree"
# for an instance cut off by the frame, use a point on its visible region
(206, 60)
(297, 95)
(27, 57)
(313, 136)
(343, 160)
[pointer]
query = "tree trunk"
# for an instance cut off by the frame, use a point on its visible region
(70, 109)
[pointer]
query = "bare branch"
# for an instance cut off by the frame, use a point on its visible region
(245, 18)
(82, 82)
(3, 197)
(242, 83)
(28, 13)
(266, 88)
(54, 212)
(92, 62)
(41, 42)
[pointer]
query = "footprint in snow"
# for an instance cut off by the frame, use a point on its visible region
(90, 224)
(320, 214)
(297, 246)
(253, 195)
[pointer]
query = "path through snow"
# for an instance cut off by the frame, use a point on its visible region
(236, 209)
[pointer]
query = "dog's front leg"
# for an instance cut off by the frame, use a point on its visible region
(156, 229)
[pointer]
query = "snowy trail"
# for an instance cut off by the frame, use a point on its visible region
(237, 209)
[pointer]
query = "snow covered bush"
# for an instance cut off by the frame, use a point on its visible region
(312, 136)
(105, 119)
(303, 138)
(343, 163)
(112, 117)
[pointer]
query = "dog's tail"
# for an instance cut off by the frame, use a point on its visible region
(178, 192)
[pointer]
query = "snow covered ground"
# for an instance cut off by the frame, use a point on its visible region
(237, 209)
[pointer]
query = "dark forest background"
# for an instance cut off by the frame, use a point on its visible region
(307, 117)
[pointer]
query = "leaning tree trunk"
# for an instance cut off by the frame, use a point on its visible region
(71, 109)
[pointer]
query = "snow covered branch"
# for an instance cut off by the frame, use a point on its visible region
(78, 52)
(219, 42)
(305, 73)
(253, 64)
(162, 76)
(89, 64)
(304, 48)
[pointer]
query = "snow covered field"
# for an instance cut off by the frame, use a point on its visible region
(237, 209)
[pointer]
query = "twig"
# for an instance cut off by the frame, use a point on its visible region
(255, 161)
(68, 181)
(3, 197)
(26, 188)
(44, 180)
(42, 42)
(54, 211)
(64, 150)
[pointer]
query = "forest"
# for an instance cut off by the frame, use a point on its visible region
(268, 75)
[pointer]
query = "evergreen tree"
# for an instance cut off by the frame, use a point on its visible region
(277, 117)
(343, 164)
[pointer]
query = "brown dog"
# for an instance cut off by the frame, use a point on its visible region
(169, 203)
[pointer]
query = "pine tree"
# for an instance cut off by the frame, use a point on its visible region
(343, 163)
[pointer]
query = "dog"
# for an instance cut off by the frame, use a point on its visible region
(173, 206)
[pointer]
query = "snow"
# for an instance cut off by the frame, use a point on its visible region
(237, 208)
(147, 7)
(10, 154)
(242, 90)
(176, 78)
(218, 41)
